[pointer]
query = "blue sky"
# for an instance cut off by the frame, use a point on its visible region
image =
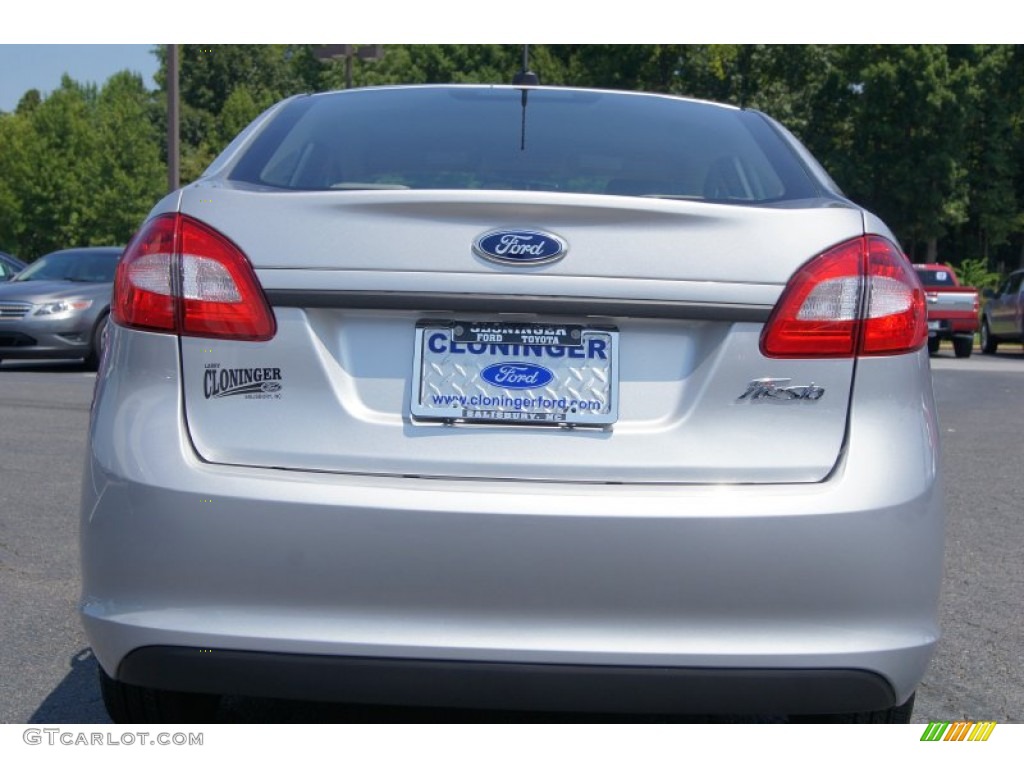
(41, 66)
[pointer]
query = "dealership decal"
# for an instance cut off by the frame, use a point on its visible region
(440, 343)
(506, 333)
(248, 383)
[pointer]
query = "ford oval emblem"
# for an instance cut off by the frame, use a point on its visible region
(524, 247)
(516, 375)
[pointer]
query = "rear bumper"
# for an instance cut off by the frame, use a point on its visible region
(544, 687)
(947, 327)
(766, 592)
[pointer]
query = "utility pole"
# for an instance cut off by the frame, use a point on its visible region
(173, 120)
(348, 52)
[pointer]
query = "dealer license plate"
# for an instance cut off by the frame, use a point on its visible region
(511, 372)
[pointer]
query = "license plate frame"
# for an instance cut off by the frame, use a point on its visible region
(571, 384)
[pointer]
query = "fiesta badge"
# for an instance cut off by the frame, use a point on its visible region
(523, 247)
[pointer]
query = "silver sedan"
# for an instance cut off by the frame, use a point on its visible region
(58, 306)
(514, 397)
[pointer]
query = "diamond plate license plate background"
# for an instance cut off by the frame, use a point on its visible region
(448, 384)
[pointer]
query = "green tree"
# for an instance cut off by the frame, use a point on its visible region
(239, 110)
(994, 113)
(130, 173)
(29, 101)
(906, 157)
(210, 73)
(15, 140)
(223, 87)
(434, 64)
(80, 167)
(975, 272)
(61, 166)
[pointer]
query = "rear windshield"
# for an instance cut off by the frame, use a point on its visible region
(935, 277)
(492, 138)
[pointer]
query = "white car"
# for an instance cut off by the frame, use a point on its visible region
(514, 397)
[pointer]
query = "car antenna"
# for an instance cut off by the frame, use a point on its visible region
(525, 78)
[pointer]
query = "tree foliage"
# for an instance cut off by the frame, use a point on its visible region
(930, 137)
(80, 167)
(975, 272)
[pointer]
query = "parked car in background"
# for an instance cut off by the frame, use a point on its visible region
(1002, 318)
(57, 307)
(952, 309)
(10, 266)
(531, 398)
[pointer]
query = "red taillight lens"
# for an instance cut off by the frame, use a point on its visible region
(817, 313)
(860, 297)
(142, 285)
(896, 319)
(181, 276)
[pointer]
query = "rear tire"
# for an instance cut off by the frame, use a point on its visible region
(134, 704)
(963, 346)
(898, 714)
(988, 344)
(933, 345)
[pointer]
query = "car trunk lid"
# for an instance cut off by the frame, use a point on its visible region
(359, 280)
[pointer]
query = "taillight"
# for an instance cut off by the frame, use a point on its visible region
(896, 318)
(180, 276)
(858, 298)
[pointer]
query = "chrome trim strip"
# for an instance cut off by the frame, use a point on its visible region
(576, 306)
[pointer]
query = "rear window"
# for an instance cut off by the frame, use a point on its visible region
(561, 141)
(935, 277)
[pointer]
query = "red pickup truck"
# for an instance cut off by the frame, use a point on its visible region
(952, 309)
